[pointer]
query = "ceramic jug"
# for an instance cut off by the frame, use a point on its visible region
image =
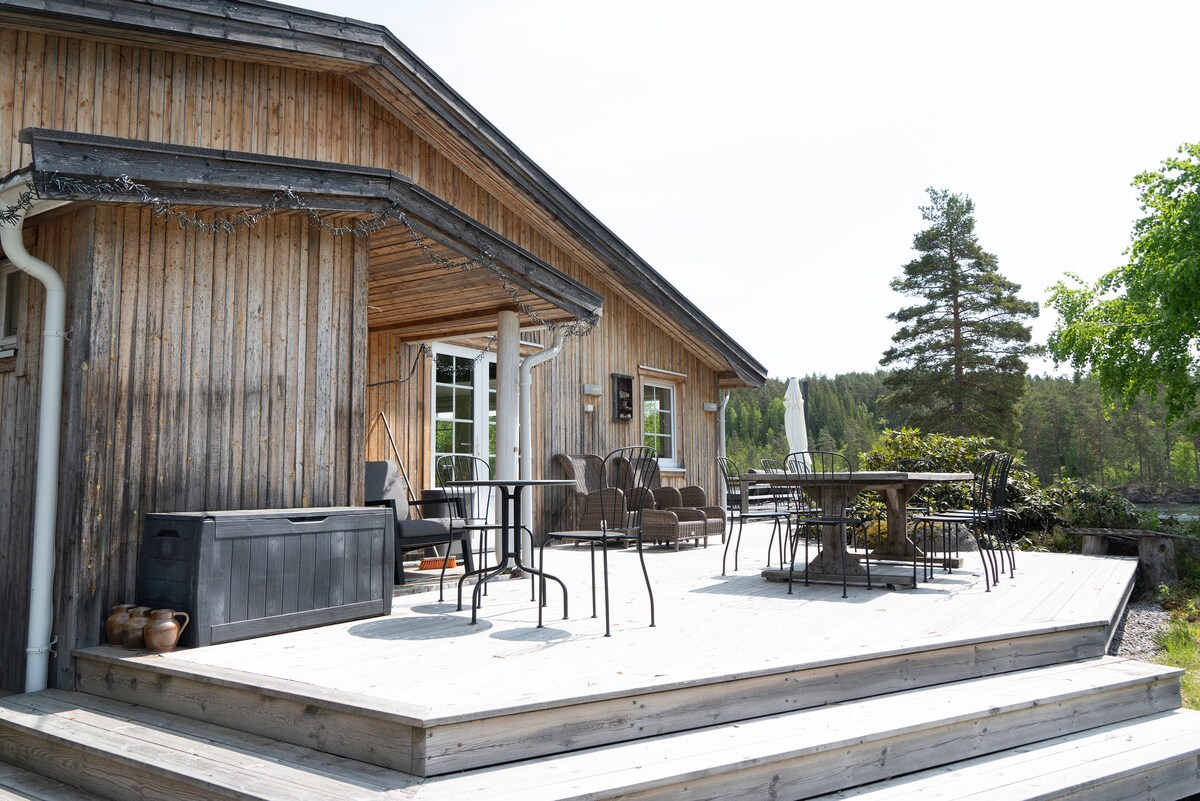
(163, 630)
(134, 628)
(115, 624)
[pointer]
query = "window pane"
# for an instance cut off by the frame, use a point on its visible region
(444, 402)
(443, 439)
(464, 404)
(8, 316)
(444, 369)
(463, 437)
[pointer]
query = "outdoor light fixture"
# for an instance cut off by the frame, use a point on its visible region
(710, 407)
(592, 389)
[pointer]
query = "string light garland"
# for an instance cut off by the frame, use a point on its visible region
(286, 199)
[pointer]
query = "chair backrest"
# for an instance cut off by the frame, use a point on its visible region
(729, 474)
(585, 469)
(781, 494)
(633, 471)
(998, 497)
(981, 484)
(382, 482)
(468, 505)
(827, 467)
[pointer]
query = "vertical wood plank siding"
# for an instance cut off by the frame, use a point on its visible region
(217, 372)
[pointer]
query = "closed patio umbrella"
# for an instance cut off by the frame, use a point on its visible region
(793, 417)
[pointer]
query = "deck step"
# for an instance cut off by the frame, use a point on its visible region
(419, 739)
(807, 753)
(17, 784)
(125, 752)
(1157, 757)
(122, 751)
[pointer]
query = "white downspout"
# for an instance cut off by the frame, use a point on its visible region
(527, 365)
(41, 574)
(721, 425)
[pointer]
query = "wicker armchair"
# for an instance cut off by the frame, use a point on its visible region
(670, 521)
(587, 471)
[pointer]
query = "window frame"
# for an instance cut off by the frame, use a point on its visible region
(666, 462)
(10, 308)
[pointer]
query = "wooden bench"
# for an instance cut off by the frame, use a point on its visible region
(1156, 549)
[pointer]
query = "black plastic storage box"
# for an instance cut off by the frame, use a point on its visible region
(251, 573)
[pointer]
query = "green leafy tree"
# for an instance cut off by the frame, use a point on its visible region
(1138, 327)
(958, 356)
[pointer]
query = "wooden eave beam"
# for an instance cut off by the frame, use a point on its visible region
(380, 64)
(208, 177)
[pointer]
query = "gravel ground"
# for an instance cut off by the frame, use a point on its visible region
(1135, 632)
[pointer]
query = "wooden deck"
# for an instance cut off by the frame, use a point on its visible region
(740, 691)
(725, 647)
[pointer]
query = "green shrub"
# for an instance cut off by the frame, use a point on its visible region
(1037, 513)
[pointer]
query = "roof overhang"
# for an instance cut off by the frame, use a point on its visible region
(375, 60)
(191, 176)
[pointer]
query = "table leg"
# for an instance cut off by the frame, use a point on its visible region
(833, 541)
(897, 545)
(532, 570)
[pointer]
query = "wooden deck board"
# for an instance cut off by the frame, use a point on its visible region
(215, 757)
(17, 784)
(1143, 759)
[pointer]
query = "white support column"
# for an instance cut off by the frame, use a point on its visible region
(508, 395)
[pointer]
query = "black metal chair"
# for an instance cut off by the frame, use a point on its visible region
(821, 483)
(470, 507)
(614, 515)
(783, 500)
(733, 502)
(977, 519)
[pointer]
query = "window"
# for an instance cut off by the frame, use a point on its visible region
(658, 421)
(11, 283)
(464, 404)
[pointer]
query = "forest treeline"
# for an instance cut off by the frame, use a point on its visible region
(1066, 432)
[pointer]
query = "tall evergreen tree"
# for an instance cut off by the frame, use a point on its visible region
(958, 357)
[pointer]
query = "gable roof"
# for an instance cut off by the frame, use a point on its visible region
(376, 61)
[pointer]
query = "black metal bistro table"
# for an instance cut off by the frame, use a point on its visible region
(511, 491)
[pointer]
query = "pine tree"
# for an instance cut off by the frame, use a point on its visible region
(958, 357)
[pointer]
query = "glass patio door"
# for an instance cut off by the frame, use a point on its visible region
(464, 404)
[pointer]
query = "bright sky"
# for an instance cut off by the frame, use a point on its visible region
(769, 157)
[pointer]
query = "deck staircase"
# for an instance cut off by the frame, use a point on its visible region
(1044, 715)
(1095, 728)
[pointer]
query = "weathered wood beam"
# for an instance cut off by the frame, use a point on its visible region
(203, 176)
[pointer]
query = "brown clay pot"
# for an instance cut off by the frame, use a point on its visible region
(162, 632)
(134, 628)
(114, 625)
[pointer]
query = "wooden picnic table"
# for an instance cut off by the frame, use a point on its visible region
(894, 487)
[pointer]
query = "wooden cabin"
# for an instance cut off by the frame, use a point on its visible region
(278, 230)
